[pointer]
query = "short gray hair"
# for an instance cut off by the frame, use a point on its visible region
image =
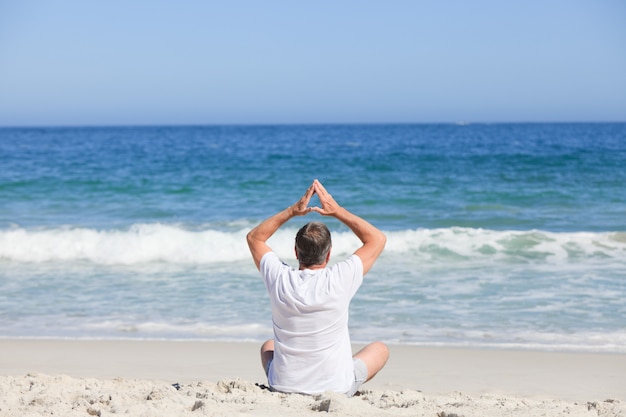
(313, 244)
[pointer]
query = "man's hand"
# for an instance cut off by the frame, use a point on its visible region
(301, 207)
(329, 205)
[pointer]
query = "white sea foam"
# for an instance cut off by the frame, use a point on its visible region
(143, 243)
(181, 330)
(140, 244)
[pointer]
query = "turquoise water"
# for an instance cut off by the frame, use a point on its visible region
(505, 235)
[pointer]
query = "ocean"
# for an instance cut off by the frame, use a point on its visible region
(499, 235)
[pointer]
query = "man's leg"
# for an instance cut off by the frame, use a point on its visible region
(267, 354)
(374, 356)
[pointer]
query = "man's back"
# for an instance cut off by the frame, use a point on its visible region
(310, 314)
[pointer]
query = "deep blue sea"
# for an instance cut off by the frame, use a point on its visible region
(499, 235)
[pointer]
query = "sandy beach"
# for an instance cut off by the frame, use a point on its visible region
(169, 378)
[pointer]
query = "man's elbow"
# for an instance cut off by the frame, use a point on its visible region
(382, 240)
(250, 238)
(377, 242)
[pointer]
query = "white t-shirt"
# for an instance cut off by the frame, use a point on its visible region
(312, 352)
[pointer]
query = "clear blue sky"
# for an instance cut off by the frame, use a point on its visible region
(222, 62)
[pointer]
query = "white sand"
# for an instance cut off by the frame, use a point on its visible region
(83, 378)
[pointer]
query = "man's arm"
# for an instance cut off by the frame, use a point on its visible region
(373, 239)
(258, 236)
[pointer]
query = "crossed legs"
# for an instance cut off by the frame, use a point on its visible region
(267, 354)
(374, 356)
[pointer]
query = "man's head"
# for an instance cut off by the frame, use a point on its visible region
(313, 244)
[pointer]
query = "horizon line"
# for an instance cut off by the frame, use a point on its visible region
(277, 124)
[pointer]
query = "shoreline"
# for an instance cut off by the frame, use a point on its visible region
(510, 347)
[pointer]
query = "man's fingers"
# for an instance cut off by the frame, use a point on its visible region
(325, 197)
(310, 191)
(321, 191)
(308, 194)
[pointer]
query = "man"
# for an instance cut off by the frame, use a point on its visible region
(311, 351)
